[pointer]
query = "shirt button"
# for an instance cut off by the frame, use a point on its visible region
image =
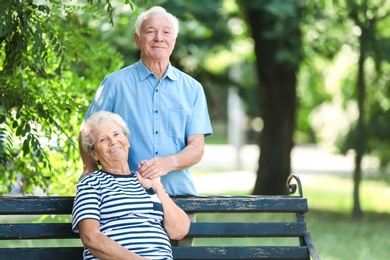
(156, 111)
(156, 153)
(156, 90)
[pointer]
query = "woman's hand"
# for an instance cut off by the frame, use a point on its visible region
(149, 183)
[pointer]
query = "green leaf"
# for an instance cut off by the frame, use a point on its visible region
(26, 147)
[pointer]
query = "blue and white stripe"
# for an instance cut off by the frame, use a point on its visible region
(128, 214)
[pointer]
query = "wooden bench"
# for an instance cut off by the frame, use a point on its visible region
(296, 206)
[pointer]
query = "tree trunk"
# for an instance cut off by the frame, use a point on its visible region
(360, 134)
(277, 90)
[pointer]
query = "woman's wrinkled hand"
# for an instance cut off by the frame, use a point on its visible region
(148, 183)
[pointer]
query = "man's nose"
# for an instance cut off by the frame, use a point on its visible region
(158, 36)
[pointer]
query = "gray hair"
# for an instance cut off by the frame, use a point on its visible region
(94, 122)
(155, 10)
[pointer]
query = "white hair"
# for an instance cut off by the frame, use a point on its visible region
(156, 10)
(94, 122)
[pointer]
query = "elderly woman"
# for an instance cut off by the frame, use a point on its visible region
(119, 214)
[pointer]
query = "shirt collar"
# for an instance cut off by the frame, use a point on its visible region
(144, 72)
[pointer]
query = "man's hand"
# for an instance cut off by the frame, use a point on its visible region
(154, 168)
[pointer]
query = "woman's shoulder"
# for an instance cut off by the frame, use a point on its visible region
(93, 177)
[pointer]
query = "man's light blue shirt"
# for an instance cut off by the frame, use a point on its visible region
(160, 115)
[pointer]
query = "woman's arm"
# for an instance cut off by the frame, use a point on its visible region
(176, 222)
(100, 245)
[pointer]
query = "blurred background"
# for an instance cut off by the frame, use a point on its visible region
(293, 87)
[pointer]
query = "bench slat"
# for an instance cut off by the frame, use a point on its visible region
(42, 253)
(227, 229)
(239, 252)
(35, 205)
(179, 253)
(242, 204)
(63, 205)
(37, 231)
(245, 229)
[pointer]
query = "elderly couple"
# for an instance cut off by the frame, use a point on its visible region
(122, 208)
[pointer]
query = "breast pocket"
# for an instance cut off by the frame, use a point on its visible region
(177, 123)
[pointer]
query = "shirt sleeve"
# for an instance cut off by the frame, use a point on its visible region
(103, 99)
(85, 205)
(200, 120)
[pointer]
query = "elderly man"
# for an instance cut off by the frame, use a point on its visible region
(165, 108)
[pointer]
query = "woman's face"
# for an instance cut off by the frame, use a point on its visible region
(111, 145)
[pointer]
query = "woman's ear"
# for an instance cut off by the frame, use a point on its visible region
(93, 155)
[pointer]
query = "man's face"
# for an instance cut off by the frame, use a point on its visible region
(157, 38)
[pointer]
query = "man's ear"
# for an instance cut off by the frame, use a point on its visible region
(136, 37)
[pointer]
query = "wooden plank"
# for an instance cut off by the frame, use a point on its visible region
(35, 205)
(245, 229)
(179, 253)
(199, 229)
(37, 231)
(241, 252)
(43, 253)
(236, 204)
(195, 204)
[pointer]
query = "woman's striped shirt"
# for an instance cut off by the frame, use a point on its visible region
(128, 214)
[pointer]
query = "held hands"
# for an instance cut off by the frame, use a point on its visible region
(148, 183)
(154, 168)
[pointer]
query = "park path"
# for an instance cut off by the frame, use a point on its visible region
(238, 170)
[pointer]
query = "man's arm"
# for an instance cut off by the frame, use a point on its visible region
(89, 164)
(190, 155)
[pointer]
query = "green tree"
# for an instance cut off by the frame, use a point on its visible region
(367, 17)
(53, 57)
(275, 29)
(359, 26)
(47, 69)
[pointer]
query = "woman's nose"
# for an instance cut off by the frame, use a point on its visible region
(111, 141)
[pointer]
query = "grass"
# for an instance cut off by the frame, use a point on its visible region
(338, 236)
(335, 233)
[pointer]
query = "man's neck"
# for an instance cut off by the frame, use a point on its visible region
(158, 68)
